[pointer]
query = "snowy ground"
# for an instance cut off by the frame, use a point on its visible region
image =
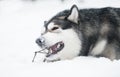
(20, 24)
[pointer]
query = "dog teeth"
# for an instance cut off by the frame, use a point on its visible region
(50, 51)
(58, 46)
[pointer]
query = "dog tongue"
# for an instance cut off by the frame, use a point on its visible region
(54, 48)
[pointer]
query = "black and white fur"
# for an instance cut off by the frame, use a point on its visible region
(94, 32)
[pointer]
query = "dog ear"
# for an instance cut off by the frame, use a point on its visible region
(74, 14)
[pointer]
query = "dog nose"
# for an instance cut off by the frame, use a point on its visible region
(40, 41)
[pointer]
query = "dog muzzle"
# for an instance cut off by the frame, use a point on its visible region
(54, 49)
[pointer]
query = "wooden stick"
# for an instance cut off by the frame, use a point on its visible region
(39, 52)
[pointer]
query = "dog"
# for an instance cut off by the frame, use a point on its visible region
(86, 32)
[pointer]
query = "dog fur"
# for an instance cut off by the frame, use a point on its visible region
(85, 32)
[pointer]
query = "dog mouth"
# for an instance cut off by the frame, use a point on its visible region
(57, 47)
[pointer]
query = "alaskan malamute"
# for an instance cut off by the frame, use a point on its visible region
(85, 32)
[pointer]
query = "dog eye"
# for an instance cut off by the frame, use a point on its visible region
(54, 28)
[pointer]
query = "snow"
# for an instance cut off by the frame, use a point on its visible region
(20, 24)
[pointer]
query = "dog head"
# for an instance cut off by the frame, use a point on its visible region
(60, 35)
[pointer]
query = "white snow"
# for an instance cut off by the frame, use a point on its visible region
(20, 24)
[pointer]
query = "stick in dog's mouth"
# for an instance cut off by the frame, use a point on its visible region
(51, 50)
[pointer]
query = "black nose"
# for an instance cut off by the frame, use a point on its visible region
(40, 41)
